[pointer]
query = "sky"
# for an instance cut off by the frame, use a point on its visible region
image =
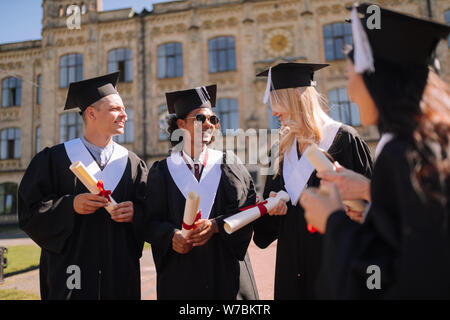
(21, 20)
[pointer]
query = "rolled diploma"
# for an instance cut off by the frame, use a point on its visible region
(241, 219)
(190, 211)
(89, 182)
(322, 163)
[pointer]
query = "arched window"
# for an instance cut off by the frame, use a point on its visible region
(70, 126)
(170, 60)
(228, 112)
(222, 54)
(335, 37)
(341, 109)
(83, 8)
(121, 60)
(11, 92)
(8, 198)
(70, 69)
(162, 122)
(128, 135)
(10, 143)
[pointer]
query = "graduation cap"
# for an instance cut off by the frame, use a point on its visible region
(83, 94)
(290, 75)
(402, 39)
(183, 102)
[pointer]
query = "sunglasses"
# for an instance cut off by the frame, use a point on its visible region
(202, 118)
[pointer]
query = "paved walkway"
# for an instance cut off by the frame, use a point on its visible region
(263, 263)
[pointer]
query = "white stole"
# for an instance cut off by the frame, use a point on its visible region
(209, 180)
(296, 172)
(114, 169)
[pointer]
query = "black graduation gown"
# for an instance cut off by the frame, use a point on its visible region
(406, 238)
(220, 269)
(299, 251)
(106, 252)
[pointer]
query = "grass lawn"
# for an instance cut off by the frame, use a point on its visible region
(146, 246)
(22, 258)
(11, 294)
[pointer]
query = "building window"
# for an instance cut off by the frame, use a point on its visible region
(170, 60)
(335, 37)
(222, 54)
(121, 60)
(38, 139)
(162, 123)
(38, 89)
(8, 198)
(70, 69)
(70, 126)
(447, 20)
(228, 112)
(128, 135)
(11, 92)
(10, 143)
(341, 109)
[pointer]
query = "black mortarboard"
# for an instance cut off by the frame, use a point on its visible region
(402, 39)
(183, 102)
(83, 94)
(290, 75)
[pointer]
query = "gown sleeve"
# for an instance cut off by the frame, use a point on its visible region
(240, 193)
(139, 175)
(152, 224)
(46, 216)
(352, 152)
(402, 235)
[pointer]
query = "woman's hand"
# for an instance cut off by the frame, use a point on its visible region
(280, 209)
(319, 206)
(351, 185)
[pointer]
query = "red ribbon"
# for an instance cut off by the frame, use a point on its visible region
(311, 229)
(192, 226)
(103, 192)
(261, 206)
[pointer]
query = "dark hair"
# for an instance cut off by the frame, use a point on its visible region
(399, 93)
(171, 127)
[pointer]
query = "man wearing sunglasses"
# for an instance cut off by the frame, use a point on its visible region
(208, 263)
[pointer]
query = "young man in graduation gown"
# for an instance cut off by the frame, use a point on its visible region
(209, 263)
(295, 101)
(87, 253)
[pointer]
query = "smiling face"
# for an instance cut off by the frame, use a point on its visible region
(193, 127)
(358, 93)
(278, 110)
(108, 115)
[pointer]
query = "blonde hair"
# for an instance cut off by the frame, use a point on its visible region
(304, 110)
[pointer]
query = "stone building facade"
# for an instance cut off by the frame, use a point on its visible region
(178, 45)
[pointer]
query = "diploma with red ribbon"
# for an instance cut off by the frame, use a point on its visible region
(316, 156)
(191, 213)
(251, 213)
(94, 186)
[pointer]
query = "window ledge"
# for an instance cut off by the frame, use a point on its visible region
(10, 113)
(8, 164)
